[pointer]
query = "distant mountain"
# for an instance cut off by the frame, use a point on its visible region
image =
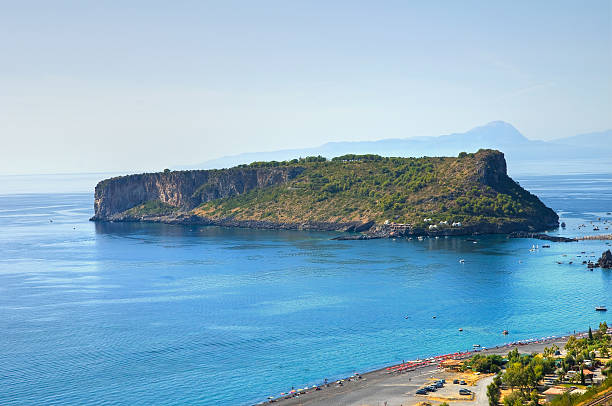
(578, 154)
(600, 139)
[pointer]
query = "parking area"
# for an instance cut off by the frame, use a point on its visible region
(465, 391)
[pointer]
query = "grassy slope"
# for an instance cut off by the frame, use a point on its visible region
(379, 189)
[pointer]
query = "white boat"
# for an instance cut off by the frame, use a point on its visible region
(601, 309)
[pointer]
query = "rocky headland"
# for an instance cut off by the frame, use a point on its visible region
(367, 195)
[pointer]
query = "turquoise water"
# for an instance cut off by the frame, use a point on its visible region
(157, 314)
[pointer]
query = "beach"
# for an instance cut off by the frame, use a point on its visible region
(386, 387)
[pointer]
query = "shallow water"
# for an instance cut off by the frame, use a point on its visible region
(148, 313)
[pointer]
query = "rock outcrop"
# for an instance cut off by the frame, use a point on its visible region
(539, 236)
(606, 260)
(491, 170)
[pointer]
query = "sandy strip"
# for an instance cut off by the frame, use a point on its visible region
(377, 387)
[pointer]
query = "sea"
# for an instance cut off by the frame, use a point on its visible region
(141, 314)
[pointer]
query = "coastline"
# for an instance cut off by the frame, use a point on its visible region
(396, 384)
(354, 230)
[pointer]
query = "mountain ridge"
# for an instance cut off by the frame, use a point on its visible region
(524, 155)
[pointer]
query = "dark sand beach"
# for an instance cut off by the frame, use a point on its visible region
(384, 388)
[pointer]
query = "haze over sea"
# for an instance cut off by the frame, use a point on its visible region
(158, 314)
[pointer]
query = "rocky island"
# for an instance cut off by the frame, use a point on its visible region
(369, 194)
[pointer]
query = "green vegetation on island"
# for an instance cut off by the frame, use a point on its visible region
(421, 191)
(151, 208)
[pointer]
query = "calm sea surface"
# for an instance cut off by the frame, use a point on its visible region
(157, 314)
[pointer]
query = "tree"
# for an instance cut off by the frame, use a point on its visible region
(608, 370)
(513, 356)
(494, 391)
(550, 351)
(535, 398)
(516, 376)
(561, 375)
(590, 334)
(514, 399)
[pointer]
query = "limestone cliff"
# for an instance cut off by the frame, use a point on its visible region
(183, 190)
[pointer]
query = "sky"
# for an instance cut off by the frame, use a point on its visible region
(88, 86)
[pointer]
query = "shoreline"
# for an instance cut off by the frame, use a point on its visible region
(382, 381)
(353, 230)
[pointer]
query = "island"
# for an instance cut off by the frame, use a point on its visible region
(369, 195)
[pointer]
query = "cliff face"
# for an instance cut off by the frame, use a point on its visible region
(182, 189)
(491, 169)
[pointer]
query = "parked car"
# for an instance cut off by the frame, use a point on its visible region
(432, 388)
(421, 391)
(438, 384)
(465, 392)
(462, 382)
(456, 381)
(442, 380)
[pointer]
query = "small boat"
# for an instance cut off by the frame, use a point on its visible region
(476, 346)
(462, 260)
(545, 246)
(601, 309)
(505, 332)
(460, 329)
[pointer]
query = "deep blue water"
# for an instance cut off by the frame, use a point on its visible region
(157, 314)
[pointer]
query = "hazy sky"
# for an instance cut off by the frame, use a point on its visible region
(132, 86)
